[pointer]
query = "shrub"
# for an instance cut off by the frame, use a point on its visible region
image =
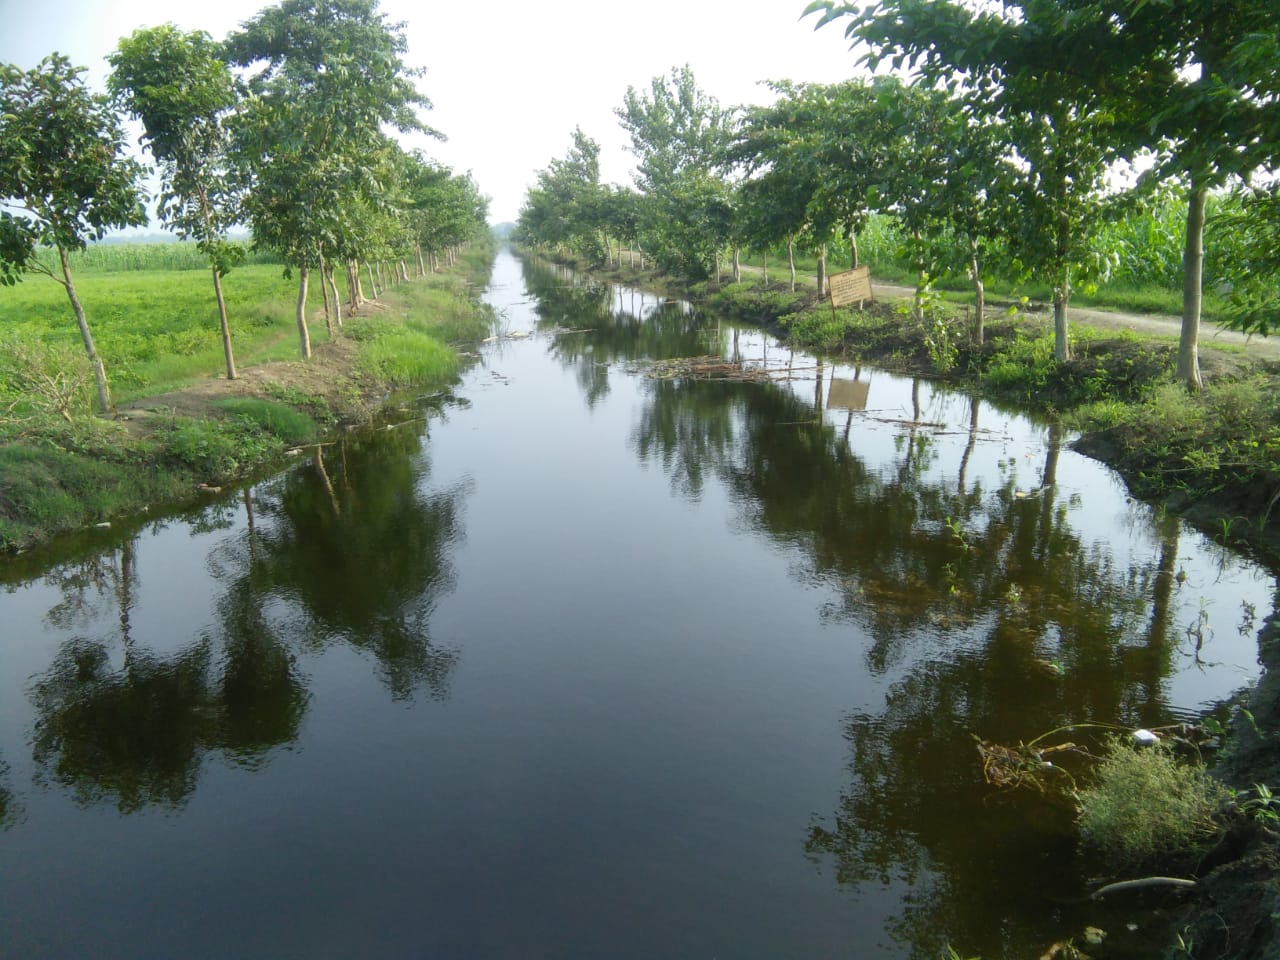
(1145, 805)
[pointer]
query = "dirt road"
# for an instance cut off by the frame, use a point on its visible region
(1145, 323)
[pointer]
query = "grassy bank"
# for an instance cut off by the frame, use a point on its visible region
(1212, 457)
(181, 425)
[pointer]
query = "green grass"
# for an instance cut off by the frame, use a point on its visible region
(292, 426)
(157, 329)
(406, 358)
(49, 490)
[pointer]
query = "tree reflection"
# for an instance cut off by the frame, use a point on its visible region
(364, 555)
(1005, 623)
(345, 549)
(9, 808)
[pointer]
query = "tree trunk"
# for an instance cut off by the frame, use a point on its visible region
(979, 294)
(737, 265)
(337, 302)
(217, 289)
(226, 327)
(1192, 288)
(422, 270)
(373, 284)
(324, 296)
(304, 335)
(1061, 339)
(717, 268)
(764, 266)
(822, 270)
(99, 370)
(354, 294)
(853, 249)
(791, 262)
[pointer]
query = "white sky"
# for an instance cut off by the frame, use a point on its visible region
(509, 79)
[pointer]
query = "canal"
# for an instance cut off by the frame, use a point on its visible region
(651, 638)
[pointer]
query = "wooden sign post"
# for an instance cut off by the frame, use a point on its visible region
(849, 286)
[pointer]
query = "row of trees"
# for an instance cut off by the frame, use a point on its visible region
(287, 126)
(1003, 150)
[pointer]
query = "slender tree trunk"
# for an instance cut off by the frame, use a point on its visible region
(354, 294)
(373, 284)
(791, 262)
(337, 302)
(853, 249)
(1192, 288)
(218, 288)
(304, 335)
(737, 265)
(764, 266)
(99, 370)
(1061, 339)
(717, 268)
(822, 270)
(404, 272)
(324, 296)
(422, 270)
(226, 327)
(979, 294)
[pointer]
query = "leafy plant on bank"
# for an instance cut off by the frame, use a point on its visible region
(1145, 805)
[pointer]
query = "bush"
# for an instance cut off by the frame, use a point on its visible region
(1146, 806)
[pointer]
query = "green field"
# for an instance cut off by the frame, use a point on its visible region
(155, 322)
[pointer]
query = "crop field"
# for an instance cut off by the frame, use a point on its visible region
(153, 315)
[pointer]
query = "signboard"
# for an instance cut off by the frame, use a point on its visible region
(851, 286)
(848, 394)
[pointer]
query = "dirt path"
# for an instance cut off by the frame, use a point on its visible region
(1153, 325)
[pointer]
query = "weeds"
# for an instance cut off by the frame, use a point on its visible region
(1144, 805)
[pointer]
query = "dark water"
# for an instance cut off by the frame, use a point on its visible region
(593, 660)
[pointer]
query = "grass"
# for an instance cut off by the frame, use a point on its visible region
(1145, 806)
(289, 424)
(157, 330)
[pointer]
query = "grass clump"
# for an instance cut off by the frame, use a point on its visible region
(277, 419)
(217, 449)
(1146, 806)
(407, 358)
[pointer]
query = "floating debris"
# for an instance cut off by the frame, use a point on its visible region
(718, 368)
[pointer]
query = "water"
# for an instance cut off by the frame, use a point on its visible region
(593, 659)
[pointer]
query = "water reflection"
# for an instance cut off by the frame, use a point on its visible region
(995, 615)
(362, 553)
(344, 549)
(9, 807)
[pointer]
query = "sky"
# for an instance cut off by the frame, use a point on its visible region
(508, 79)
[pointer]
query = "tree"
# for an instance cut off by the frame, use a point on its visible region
(64, 179)
(1193, 79)
(1013, 63)
(679, 134)
(177, 86)
(329, 76)
(566, 206)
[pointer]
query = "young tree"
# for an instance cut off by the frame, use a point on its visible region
(679, 134)
(175, 83)
(1014, 62)
(64, 179)
(328, 76)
